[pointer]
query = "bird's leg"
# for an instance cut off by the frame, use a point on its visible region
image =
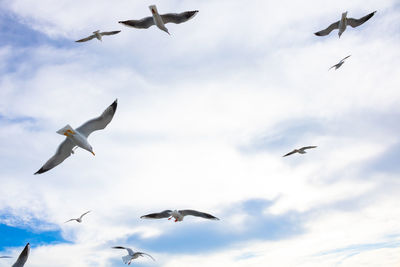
(169, 218)
(176, 219)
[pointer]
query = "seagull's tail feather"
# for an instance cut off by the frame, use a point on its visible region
(67, 129)
(126, 259)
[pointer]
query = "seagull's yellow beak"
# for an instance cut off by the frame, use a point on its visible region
(93, 153)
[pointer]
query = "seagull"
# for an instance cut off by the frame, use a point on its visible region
(160, 20)
(339, 64)
(23, 257)
(300, 150)
(132, 255)
(178, 215)
(5, 257)
(98, 35)
(79, 220)
(343, 22)
(78, 137)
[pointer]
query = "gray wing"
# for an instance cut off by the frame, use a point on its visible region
(139, 24)
(70, 220)
(130, 251)
(345, 58)
(100, 122)
(198, 214)
(178, 18)
(357, 22)
(142, 253)
(23, 257)
(290, 153)
(110, 33)
(63, 152)
(84, 214)
(85, 39)
(307, 147)
(328, 30)
(159, 215)
(5, 257)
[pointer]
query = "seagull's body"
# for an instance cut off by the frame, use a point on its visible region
(160, 20)
(341, 25)
(78, 137)
(23, 257)
(300, 150)
(98, 35)
(132, 255)
(338, 65)
(178, 215)
(79, 220)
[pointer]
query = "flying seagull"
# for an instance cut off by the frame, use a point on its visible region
(78, 137)
(132, 255)
(79, 220)
(343, 22)
(300, 150)
(5, 257)
(98, 35)
(160, 20)
(338, 65)
(178, 215)
(23, 257)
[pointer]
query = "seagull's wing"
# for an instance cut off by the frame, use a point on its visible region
(23, 257)
(86, 39)
(63, 152)
(307, 147)
(70, 220)
(357, 22)
(328, 30)
(139, 24)
(330, 69)
(5, 257)
(84, 214)
(178, 18)
(159, 215)
(345, 58)
(290, 153)
(142, 253)
(130, 251)
(100, 122)
(110, 33)
(198, 214)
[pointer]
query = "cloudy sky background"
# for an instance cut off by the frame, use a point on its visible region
(204, 117)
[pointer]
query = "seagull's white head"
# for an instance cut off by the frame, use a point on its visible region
(153, 9)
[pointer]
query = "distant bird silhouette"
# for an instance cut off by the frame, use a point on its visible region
(338, 65)
(132, 255)
(300, 150)
(160, 20)
(178, 215)
(343, 22)
(23, 257)
(98, 35)
(5, 257)
(79, 220)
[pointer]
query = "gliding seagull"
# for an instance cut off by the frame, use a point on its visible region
(343, 22)
(98, 35)
(23, 257)
(300, 150)
(79, 220)
(132, 255)
(78, 137)
(338, 65)
(178, 215)
(160, 20)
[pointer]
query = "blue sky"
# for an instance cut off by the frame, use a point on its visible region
(204, 117)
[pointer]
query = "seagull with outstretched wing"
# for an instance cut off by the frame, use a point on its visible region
(178, 215)
(132, 255)
(341, 25)
(78, 137)
(23, 257)
(300, 150)
(160, 20)
(79, 220)
(98, 35)
(338, 65)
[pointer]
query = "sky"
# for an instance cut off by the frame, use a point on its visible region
(203, 119)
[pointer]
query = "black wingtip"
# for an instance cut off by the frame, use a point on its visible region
(42, 170)
(114, 104)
